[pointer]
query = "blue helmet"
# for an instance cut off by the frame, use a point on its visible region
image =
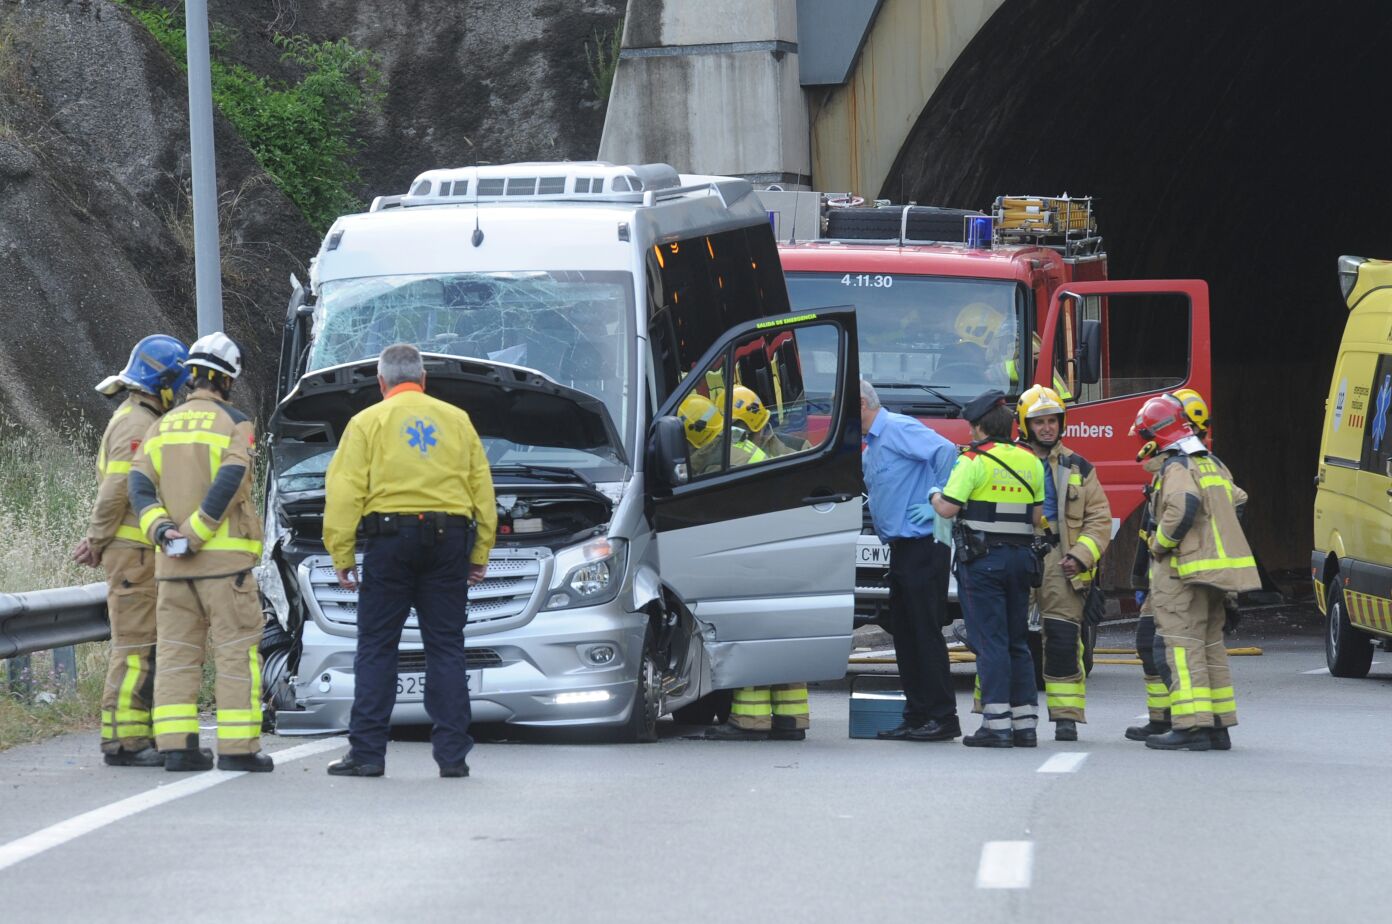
(156, 367)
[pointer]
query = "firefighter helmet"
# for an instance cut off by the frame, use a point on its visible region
(1162, 420)
(749, 410)
(155, 367)
(978, 323)
(702, 420)
(216, 354)
(1039, 401)
(1195, 408)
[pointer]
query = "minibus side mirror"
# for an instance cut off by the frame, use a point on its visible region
(668, 463)
(1090, 352)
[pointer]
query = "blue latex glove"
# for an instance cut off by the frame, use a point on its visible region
(921, 513)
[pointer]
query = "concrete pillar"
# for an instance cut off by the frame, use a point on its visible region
(711, 86)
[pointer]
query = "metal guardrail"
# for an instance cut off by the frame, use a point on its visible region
(44, 619)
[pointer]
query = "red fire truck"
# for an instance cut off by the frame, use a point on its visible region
(950, 302)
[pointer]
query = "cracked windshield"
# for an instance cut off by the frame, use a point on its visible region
(570, 326)
(925, 339)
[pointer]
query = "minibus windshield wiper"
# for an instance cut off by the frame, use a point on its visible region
(543, 472)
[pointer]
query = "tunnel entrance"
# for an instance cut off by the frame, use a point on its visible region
(1241, 143)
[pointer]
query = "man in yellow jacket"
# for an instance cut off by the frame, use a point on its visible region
(152, 377)
(412, 471)
(191, 486)
(1198, 556)
(1078, 528)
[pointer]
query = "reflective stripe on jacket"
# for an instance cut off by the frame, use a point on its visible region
(1085, 524)
(1197, 532)
(992, 499)
(112, 521)
(182, 456)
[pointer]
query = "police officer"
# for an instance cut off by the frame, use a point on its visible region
(412, 470)
(1157, 693)
(996, 490)
(1077, 528)
(779, 711)
(191, 484)
(149, 382)
(1198, 555)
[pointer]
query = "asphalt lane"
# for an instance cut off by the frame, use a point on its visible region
(1290, 825)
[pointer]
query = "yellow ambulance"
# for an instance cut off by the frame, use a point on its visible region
(1351, 565)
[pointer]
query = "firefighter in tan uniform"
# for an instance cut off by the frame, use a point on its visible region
(1078, 527)
(779, 711)
(1198, 556)
(191, 485)
(152, 377)
(1157, 693)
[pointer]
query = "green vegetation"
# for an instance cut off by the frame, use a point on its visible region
(602, 58)
(302, 133)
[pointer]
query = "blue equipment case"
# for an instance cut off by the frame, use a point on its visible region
(875, 710)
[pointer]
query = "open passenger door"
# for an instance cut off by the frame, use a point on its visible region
(754, 469)
(1116, 344)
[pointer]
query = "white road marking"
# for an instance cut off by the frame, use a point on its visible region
(64, 831)
(1322, 670)
(1005, 865)
(1065, 762)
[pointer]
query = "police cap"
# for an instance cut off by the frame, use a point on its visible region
(978, 407)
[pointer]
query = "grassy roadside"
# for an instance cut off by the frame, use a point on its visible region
(47, 484)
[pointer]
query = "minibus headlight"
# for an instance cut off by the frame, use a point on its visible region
(586, 574)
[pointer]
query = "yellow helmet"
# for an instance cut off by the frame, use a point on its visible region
(1039, 401)
(978, 323)
(703, 421)
(1195, 408)
(749, 409)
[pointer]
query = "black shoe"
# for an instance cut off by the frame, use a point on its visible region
(732, 732)
(1024, 738)
(896, 733)
(1142, 732)
(1219, 739)
(990, 738)
(1180, 739)
(456, 770)
(787, 734)
(1067, 730)
(936, 730)
(188, 759)
(349, 766)
(145, 757)
(246, 763)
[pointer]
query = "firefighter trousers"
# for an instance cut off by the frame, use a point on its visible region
(1157, 693)
(130, 673)
(1061, 622)
(1190, 652)
(782, 706)
(190, 613)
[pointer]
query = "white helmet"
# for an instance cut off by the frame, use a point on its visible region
(218, 353)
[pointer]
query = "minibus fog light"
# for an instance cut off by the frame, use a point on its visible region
(601, 654)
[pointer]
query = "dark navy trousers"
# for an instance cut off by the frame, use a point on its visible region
(401, 571)
(994, 592)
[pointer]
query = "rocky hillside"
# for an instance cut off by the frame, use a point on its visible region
(95, 220)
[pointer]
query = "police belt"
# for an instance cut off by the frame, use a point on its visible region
(388, 524)
(996, 539)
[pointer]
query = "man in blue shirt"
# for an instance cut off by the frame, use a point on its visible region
(903, 459)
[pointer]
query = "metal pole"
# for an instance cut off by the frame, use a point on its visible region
(207, 263)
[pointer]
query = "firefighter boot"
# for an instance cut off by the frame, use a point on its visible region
(255, 762)
(1065, 730)
(1180, 739)
(732, 732)
(1218, 737)
(147, 756)
(1142, 732)
(791, 714)
(185, 759)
